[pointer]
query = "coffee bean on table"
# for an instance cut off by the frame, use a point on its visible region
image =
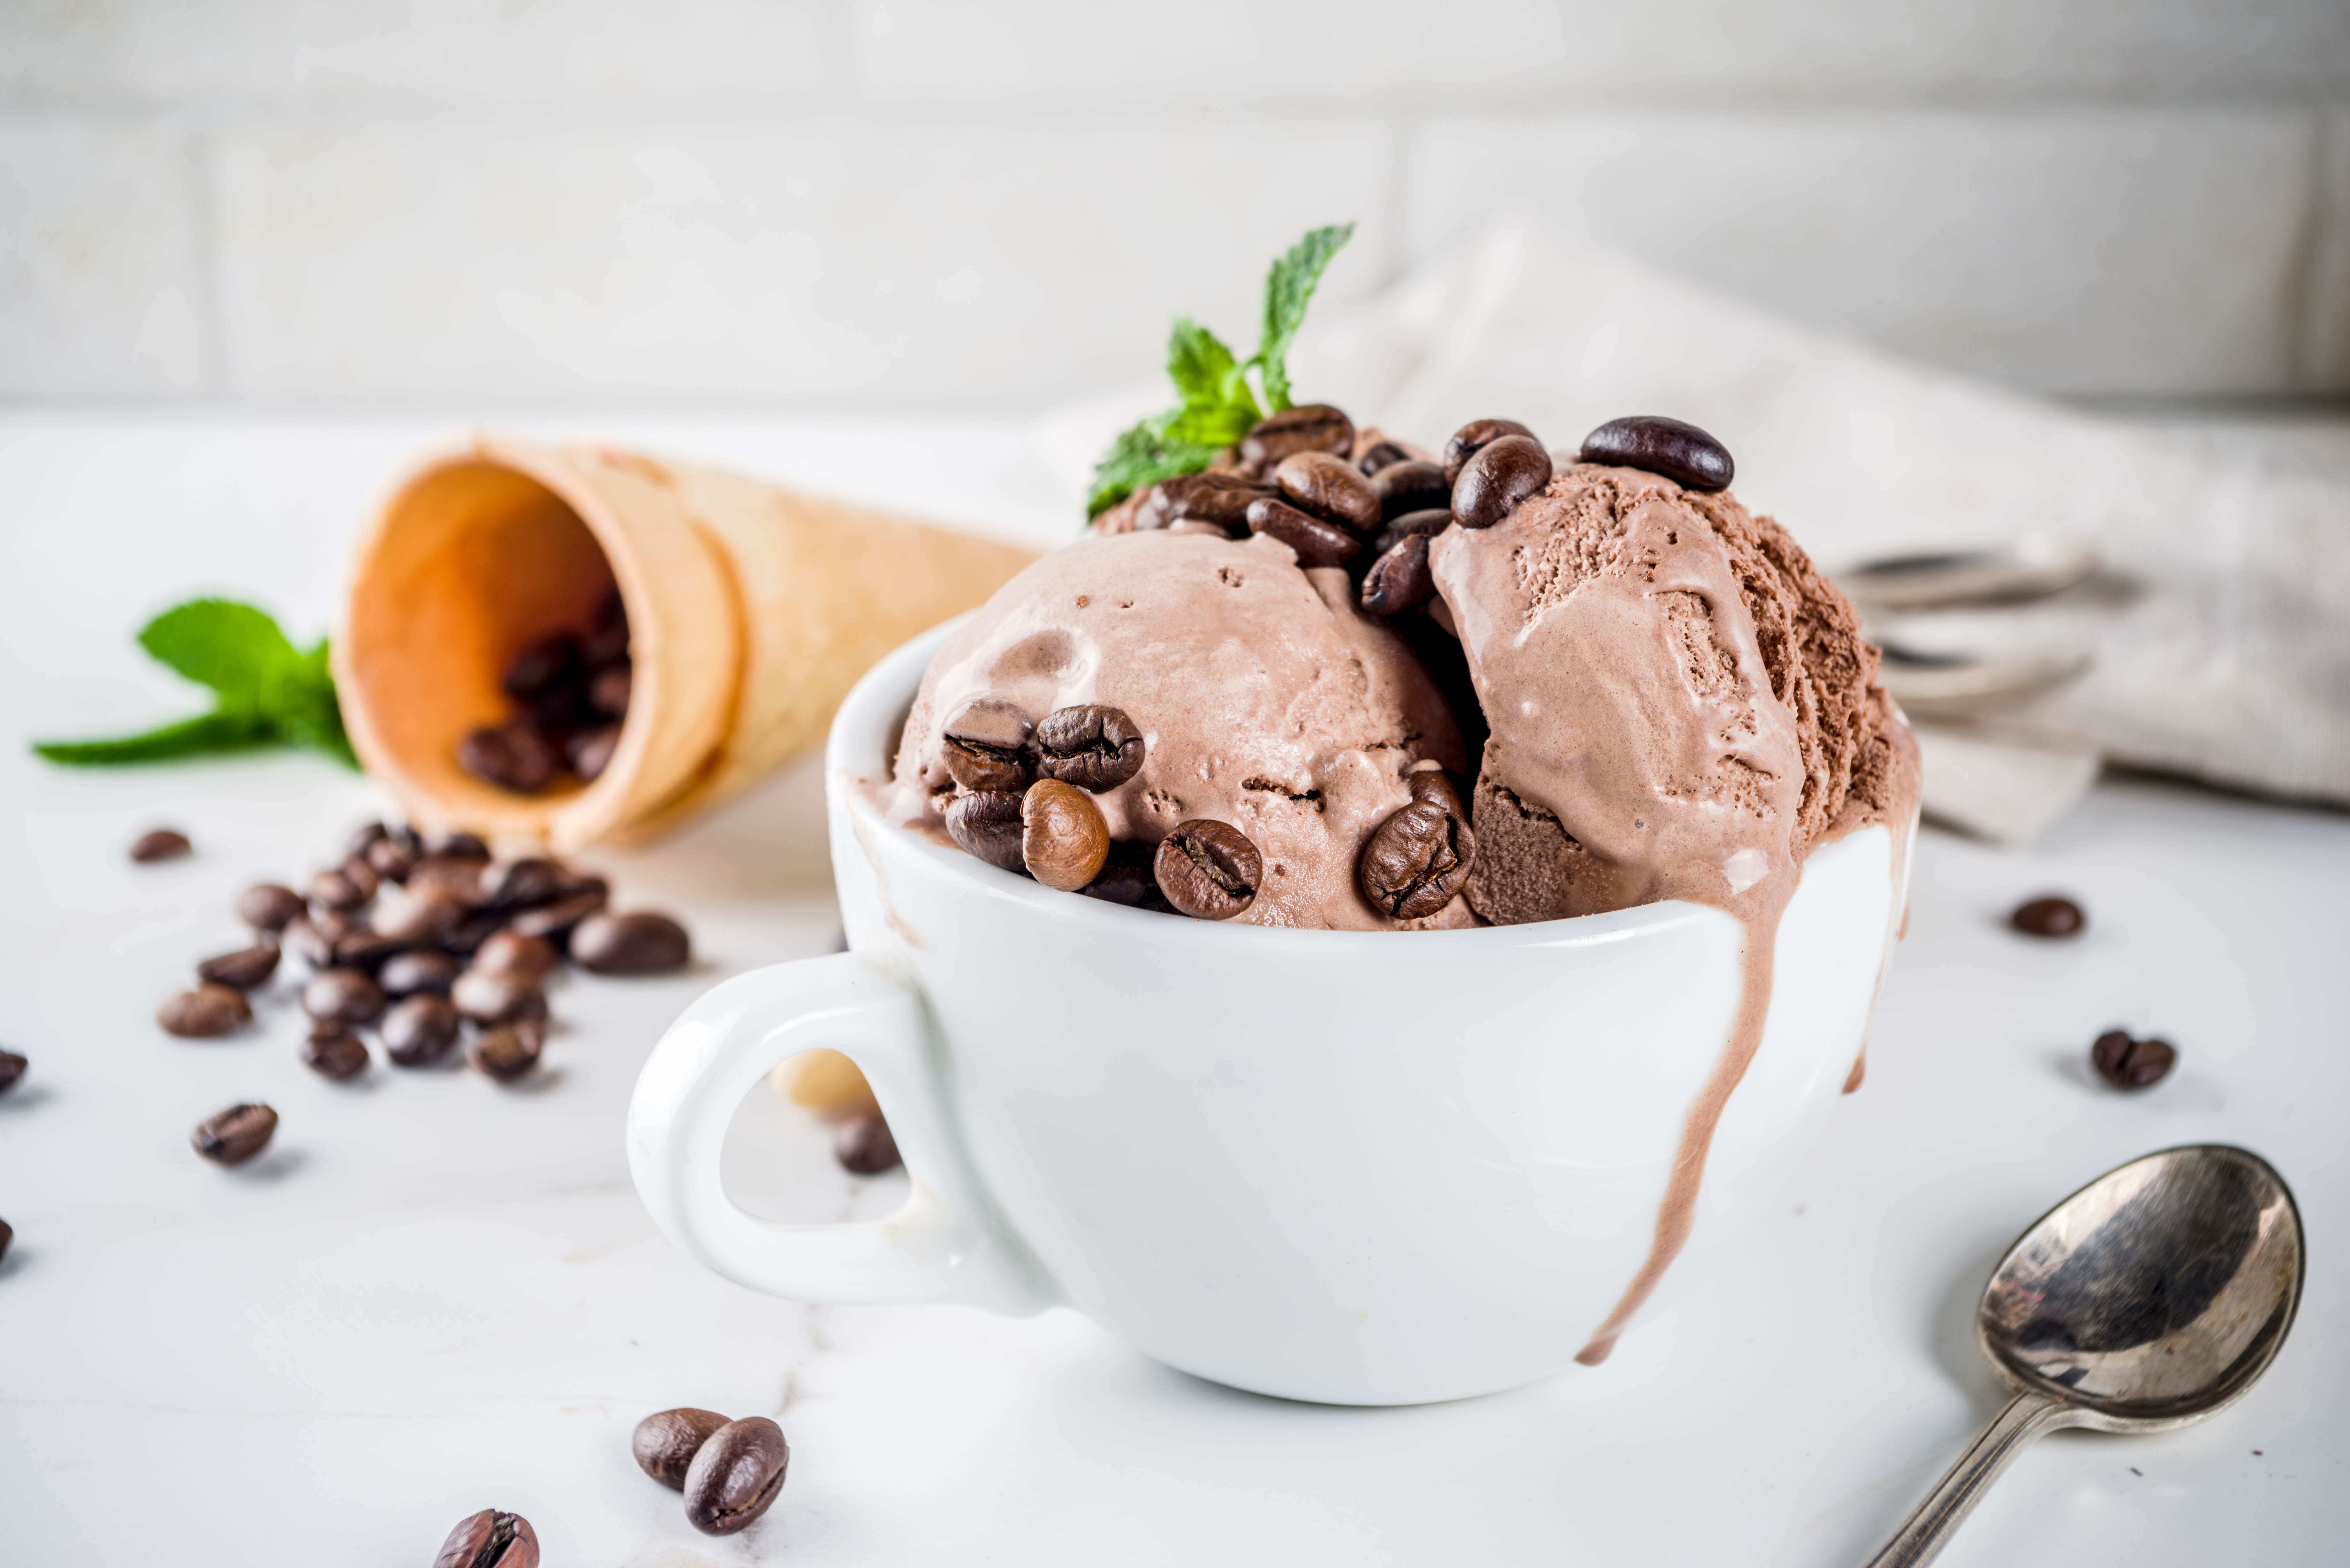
(456, 845)
(313, 940)
(457, 876)
(487, 998)
(390, 859)
(864, 1146)
(362, 949)
(1472, 438)
(507, 1052)
(1315, 541)
(985, 745)
(2049, 917)
(1063, 838)
(6, 1236)
(518, 884)
(666, 1442)
(416, 917)
(1308, 427)
(1091, 745)
(12, 1067)
(986, 822)
(468, 934)
(236, 1135)
(1417, 860)
(343, 996)
(204, 1013)
(1382, 456)
(510, 952)
(333, 1052)
(510, 756)
(1400, 579)
(1680, 451)
(555, 921)
(362, 876)
(589, 752)
(267, 907)
(641, 943)
(1328, 487)
(1208, 869)
(244, 968)
(405, 974)
(1407, 487)
(736, 1475)
(2129, 1064)
(1216, 496)
(1500, 475)
(420, 1031)
(162, 844)
(490, 1540)
(335, 890)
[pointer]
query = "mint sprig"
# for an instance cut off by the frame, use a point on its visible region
(1218, 405)
(267, 691)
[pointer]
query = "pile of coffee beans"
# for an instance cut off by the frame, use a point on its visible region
(570, 693)
(730, 1471)
(429, 942)
(1024, 803)
(489, 1539)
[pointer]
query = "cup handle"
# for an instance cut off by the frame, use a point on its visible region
(944, 1245)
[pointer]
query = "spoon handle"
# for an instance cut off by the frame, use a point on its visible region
(1923, 1534)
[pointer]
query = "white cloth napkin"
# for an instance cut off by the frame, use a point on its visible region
(2220, 632)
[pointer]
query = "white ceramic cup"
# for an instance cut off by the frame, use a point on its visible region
(1356, 1167)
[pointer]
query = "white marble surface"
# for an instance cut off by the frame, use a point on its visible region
(434, 1296)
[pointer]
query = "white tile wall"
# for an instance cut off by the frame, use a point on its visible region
(934, 201)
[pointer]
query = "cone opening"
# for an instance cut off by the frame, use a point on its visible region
(474, 562)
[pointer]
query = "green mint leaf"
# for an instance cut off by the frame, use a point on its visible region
(1215, 427)
(1141, 456)
(310, 715)
(1287, 288)
(1201, 368)
(232, 647)
(217, 732)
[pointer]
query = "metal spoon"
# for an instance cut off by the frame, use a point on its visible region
(2151, 1298)
(2029, 566)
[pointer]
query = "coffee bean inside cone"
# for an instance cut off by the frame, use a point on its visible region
(567, 692)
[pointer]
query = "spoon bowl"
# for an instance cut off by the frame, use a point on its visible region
(2152, 1298)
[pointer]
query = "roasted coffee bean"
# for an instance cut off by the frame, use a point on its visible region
(1503, 473)
(417, 917)
(1063, 838)
(498, 998)
(335, 890)
(589, 752)
(986, 822)
(363, 877)
(1216, 496)
(1126, 877)
(6, 1236)
(406, 974)
(1315, 541)
(266, 907)
(204, 1013)
(313, 940)
(420, 1030)
(606, 641)
(364, 838)
(2049, 917)
(163, 843)
(1400, 580)
(520, 884)
(392, 859)
(1681, 452)
(1091, 745)
(1417, 860)
(1428, 523)
(509, 757)
(364, 949)
(1382, 456)
(1208, 869)
(1472, 438)
(343, 996)
(607, 692)
(555, 921)
(458, 876)
(1205, 529)
(236, 1135)
(736, 1475)
(2129, 1064)
(985, 745)
(470, 933)
(12, 1067)
(510, 952)
(1407, 487)
(666, 1442)
(1308, 427)
(456, 845)
(490, 1540)
(244, 968)
(1428, 781)
(508, 1051)
(540, 668)
(641, 943)
(1329, 488)
(333, 1052)
(864, 1146)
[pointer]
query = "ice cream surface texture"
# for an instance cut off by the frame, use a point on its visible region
(1266, 698)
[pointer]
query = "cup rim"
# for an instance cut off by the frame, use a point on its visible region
(876, 709)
